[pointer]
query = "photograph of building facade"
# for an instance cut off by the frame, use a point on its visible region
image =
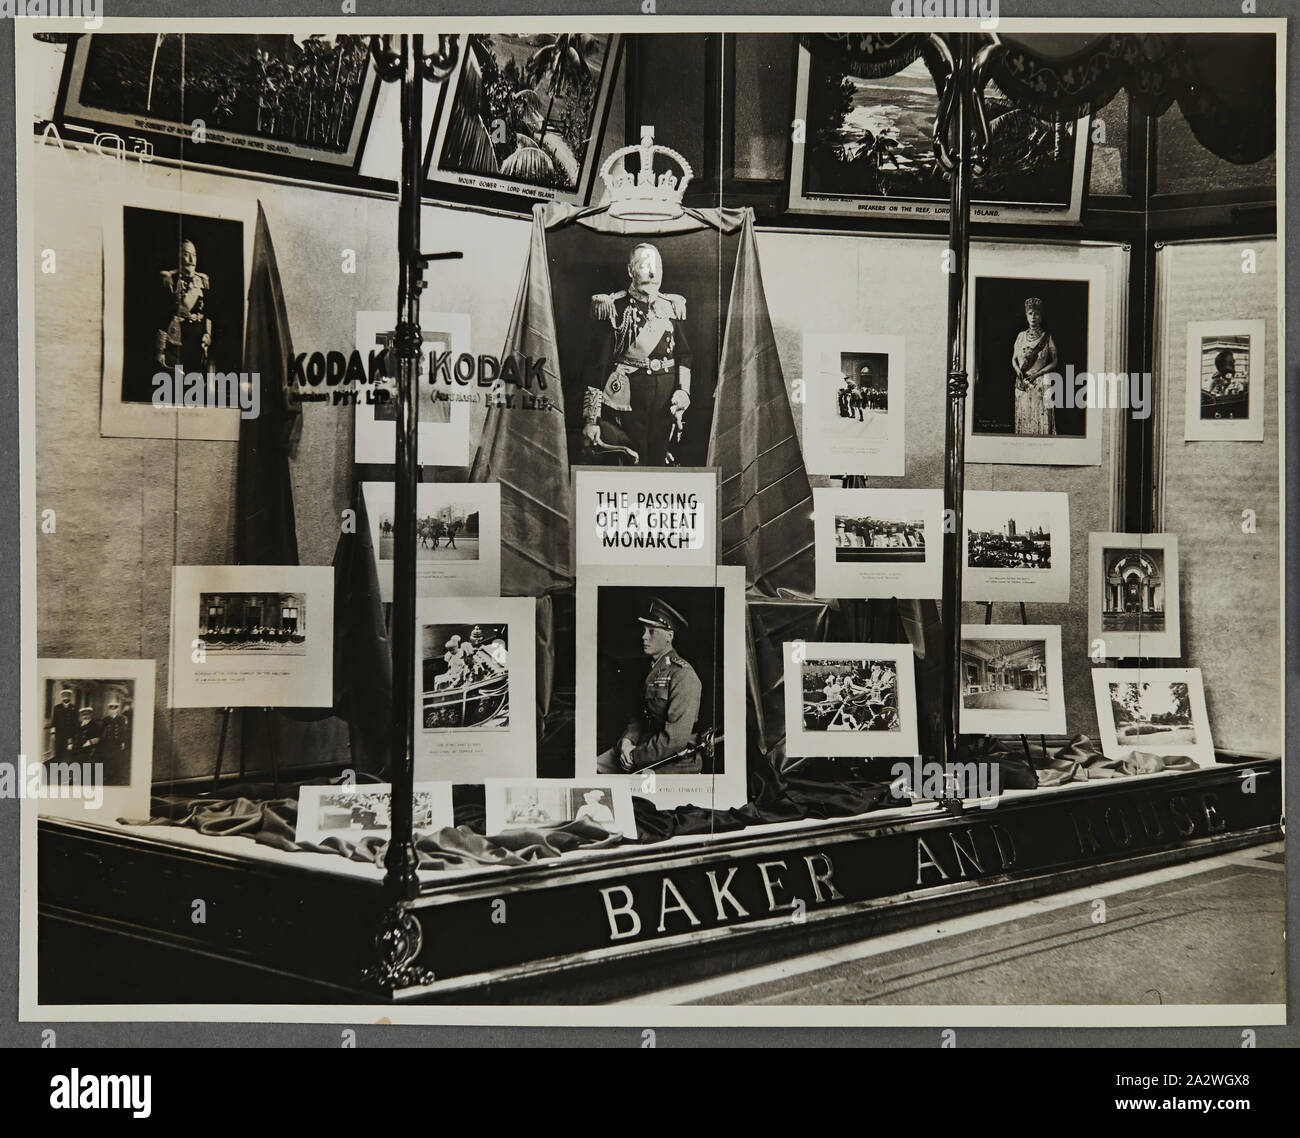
(1134, 591)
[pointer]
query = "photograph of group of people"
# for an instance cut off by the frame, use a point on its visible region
(466, 676)
(89, 721)
(879, 539)
(857, 695)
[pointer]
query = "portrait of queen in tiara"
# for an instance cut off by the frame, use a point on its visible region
(1033, 358)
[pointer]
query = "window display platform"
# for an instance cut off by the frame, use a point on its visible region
(167, 916)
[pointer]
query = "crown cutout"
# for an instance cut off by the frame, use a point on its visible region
(645, 195)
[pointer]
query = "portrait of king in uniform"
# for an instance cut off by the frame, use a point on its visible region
(638, 371)
(184, 333)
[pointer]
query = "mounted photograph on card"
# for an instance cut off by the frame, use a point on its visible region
(631, 517)
(444, 425)
(1011, 679)
(475, 688)
(523, 114)
(1037, 358)
(1017, 546)
(661, 693)
(1157, 710)
(542, 804)
(176, 277)
(868, 150)
(878, 543)
(853, 409)
(361, 810)
(457, 537)
(1133, 594)
(252, 636)
(96, 750)
(1225, 380)
(850, 700)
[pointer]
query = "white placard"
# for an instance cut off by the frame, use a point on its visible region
(1133, 605)
(1157, 710)
(1225, 381)
(640, 517)
(878, 543)
(362, 810)
(1017, 546)
(853, 409)
(543, 804)
(1011, 679)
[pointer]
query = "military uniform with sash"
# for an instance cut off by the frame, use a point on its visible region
(184, 324)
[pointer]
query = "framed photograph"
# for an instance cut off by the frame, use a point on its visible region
(542, 804)
(626, 516)
(661, 687)
(458, 537)
(362, 811)
(853, 410)
(1011, 679)
(443, 436)
(878, 543)
(524, 114)
(280, 103)
(850, 700)
(1017, 546)
(867, 150)
(176, 276)
(1037, 333)
(1133, 595)
(476, 688)
(1225, 380)
(96, 742)
(1157, 710)
(252, 636)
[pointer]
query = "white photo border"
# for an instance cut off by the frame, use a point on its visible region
(997, 721)
(888, 457)
(1165, 645)
(1202, 753)
(1250, 429)
(873, 579)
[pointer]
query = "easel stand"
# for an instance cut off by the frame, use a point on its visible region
(226, 713)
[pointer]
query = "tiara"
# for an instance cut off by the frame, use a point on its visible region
(645, 196)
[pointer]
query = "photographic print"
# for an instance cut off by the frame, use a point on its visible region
(878, 543)
(1017, 546)
(522, 114)
(361, 810)
(853, 410)
(850, 700)
(1033, 331)
(457, 542)
(869, 150)
(1133, 604)
(547, 803)
(264, 100)
(176, 271)
(626, 517)
(1225, 380)
(252, 636)
(443, 436)
(1011, 679)
(475, 688)
(96, 737)
(656, 691)
(1157, 710)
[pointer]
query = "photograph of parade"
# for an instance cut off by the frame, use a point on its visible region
(850, 695)
(879, 538)
(1020, 541)
(1004, 675)
(1153, 712)
(1225, 377)
(1134, 589)
(449, 534)
(266, 623)
(466, 676)
(89, 721)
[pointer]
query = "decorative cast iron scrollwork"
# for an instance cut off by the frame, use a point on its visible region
(398, 944)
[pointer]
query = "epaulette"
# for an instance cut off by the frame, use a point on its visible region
(203, 280)
(602, 305)
(678, 304)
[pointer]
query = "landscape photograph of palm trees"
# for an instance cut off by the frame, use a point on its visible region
(525, 114)
(279, 95)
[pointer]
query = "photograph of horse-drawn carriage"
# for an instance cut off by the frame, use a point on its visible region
(466, 676)
(850, 695)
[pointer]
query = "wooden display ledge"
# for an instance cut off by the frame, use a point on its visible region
(118, 916)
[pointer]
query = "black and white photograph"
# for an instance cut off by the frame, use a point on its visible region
(850, 700)
(656, 697)
(175, 291)
(443, 424)
(457, 537)
(1017, 546)
(522, 114)
(362, 810)
(1011, 679)
(878, 542)
(1159, 711)
(853, 412)
(868, 149)
(474, 688)
(252, 636)
(1133, 595)
(1225, 380)
(1036, 333)
(549, 803)
(96, 737)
